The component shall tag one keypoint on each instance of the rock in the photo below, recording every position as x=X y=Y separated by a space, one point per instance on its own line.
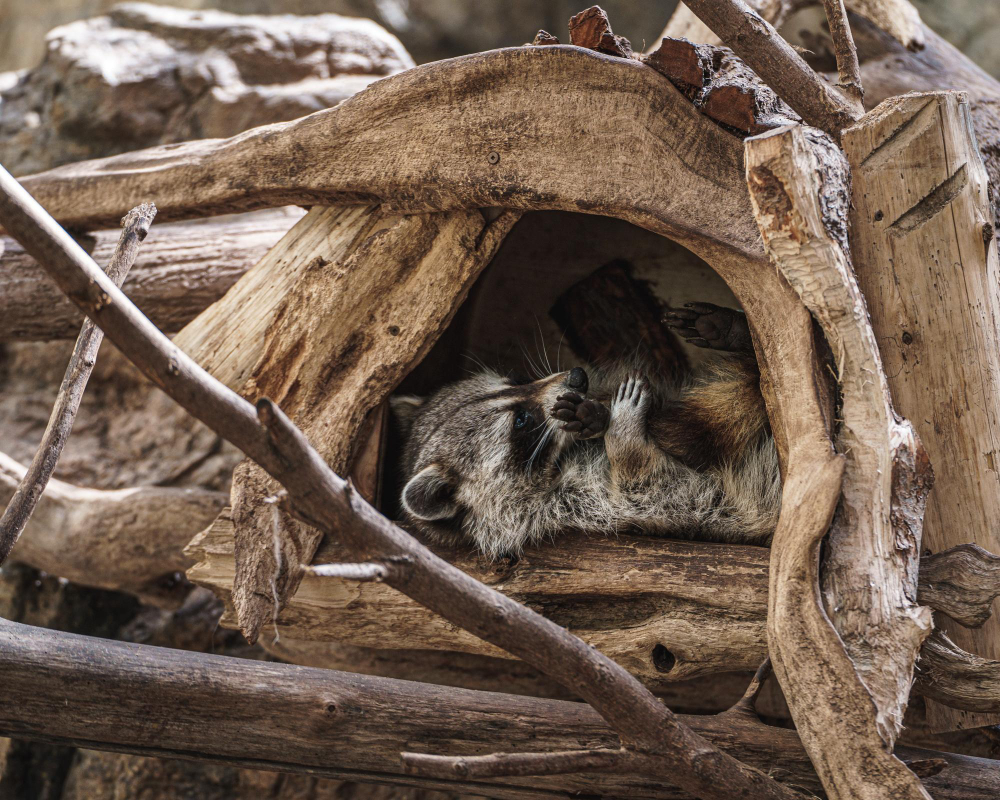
x=146 y=75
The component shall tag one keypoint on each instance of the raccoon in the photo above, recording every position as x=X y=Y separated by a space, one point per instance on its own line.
x=503 y=463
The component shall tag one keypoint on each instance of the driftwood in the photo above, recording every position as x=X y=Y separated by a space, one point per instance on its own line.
x=233 y=711
x=182 y=269
x=763 y=49
x=666 y=610
x=898 y=18
x=925 y=253
x=317 y=495
x=127 y=539
x=799 y=185
x=135 y=226
x=328 y=323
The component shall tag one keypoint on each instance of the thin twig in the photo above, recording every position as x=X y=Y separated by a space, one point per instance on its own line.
x=846 y=53
x=367 y=572
x=317 y=495
x=135 y=226
x=763 y=49
x=506 y=765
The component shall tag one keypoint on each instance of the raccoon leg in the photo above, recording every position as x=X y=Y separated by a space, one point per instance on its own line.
x=711 y=326
x=587 y=419
x=632 y=455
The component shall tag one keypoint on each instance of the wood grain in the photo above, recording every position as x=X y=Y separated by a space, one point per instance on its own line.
x=182 y=269
x=926 y=260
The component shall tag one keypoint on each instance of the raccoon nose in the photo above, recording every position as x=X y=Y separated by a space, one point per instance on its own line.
x=577 y=379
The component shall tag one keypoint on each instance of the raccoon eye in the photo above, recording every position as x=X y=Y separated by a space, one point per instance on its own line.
x=521 y=419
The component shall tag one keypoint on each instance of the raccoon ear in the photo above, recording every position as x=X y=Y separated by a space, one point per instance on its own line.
x=430 y=495
x=404 y=410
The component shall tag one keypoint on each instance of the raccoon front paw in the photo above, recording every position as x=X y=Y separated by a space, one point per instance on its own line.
x=583 y=418
x=631 y=403
x=711 y=326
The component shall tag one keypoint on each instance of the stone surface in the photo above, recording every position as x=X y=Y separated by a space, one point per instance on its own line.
x=145 y=75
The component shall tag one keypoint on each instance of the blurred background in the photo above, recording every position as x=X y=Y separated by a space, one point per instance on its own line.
x=435 y=29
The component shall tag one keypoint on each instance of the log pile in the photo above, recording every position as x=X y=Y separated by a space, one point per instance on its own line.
x=346 y=304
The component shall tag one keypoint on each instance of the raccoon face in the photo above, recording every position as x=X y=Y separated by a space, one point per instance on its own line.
x=479 y=443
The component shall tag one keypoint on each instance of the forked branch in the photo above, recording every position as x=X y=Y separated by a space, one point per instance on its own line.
x=135 y=226
x=317 y=495
x=764 y=50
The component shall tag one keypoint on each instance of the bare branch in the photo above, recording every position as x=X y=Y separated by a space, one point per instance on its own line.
x=955 y=678
x=763 y=49
x=135 y=226
x=846 y=53
x=369 y=572
x=961 y=582
x=517 y=764
x=317 y=495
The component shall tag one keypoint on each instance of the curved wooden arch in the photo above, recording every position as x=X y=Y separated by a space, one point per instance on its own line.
x=530 y=129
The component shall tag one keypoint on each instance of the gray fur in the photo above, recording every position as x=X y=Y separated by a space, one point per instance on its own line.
x=471 y=474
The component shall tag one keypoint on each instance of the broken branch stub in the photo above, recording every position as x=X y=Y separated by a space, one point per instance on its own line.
x=855 y=676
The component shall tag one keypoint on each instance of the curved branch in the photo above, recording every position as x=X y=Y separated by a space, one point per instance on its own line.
x=957 y=679
x=961 y=582
x=135 y=226
x=317 y=495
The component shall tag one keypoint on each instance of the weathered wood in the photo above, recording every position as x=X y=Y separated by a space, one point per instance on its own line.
x=182 y=269
x=961 y=582
x=846 y=54
x=763 y=49
x=328 y=323
x=591 y=29
x=721 y=86
x=135 y=226
x=130 y=540
x=665 y=610
x=922 y=237
x=799 y=184
x=155 y=701
x=898 y=18
x=957 y=679
x=320 y=497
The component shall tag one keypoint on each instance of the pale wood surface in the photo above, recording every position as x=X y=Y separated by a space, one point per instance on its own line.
x=327 y=324
x=926 y=259
x=182 y=268
x=799 y=184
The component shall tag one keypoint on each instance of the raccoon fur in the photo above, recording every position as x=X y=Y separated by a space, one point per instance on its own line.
x=605 y=450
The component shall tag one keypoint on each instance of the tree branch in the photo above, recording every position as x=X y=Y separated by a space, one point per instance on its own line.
x=957 y=679
x=763 y=49
x=363 y=573
x=135 y=226
x=961 y=582
x=846 y=54
x=319 y=496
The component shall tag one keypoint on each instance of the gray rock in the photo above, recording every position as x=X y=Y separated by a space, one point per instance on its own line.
x=146 y=75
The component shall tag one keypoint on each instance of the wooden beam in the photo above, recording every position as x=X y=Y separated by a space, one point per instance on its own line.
x=926 y=259
x=848 y=667
x=155 y=701
x=182 y=269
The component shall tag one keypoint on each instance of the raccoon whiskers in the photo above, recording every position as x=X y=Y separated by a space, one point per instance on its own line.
x=542 y=442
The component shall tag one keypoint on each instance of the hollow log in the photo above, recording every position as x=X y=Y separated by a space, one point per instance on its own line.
x=926 y=259
x=328 y=323
x=70 y=689
x=799 y=184
x=182 y=269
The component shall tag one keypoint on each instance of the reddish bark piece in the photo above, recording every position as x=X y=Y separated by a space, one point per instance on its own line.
x=591 y=29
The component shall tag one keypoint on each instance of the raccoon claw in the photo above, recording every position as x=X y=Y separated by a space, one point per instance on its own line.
x=710 y=326
x=585 y=419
